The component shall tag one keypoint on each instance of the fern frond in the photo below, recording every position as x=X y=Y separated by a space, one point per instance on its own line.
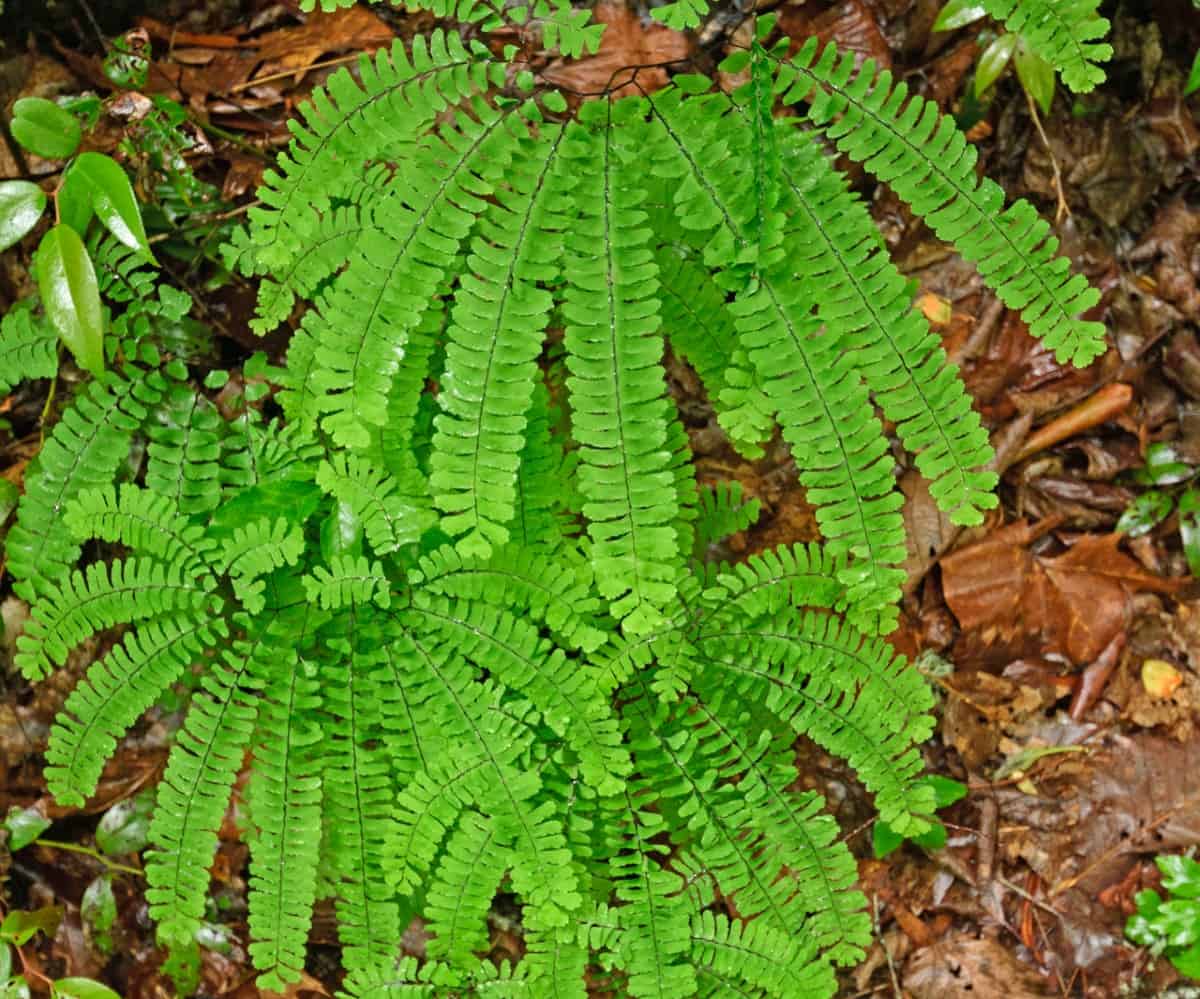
x=496 y=329
x=195 y=788
x=358 y=800
x=284 y=798
x=541 y=517
x=183 y=455
x=851 y=696
x=461 y=894
x=105 y=595
x=1063 y=32
x=255 y=550
x=694 y=317
x=924 y=158
x=145 y=522
x=362 y=326
x=567 y=696
x=552 y=591
x=722 y=513
x=768 y=581
x=822 y=405
x=28 y=348
x=83 y=450
x=112 y=695
x=400 y=93
x=619 y=412
x=349 y=580
x=865 y=304
x=655 y=934
x=781 y=964
x=389 y=518
x=125 y=277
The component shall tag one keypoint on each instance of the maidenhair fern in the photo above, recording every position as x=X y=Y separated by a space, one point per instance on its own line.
x=463 y=606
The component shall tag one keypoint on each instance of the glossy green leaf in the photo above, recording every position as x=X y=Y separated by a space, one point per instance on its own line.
x=67 y=282
x=1193 y=80
x=1188 y=962
x=24 y=825
x=20 y=926
x=884 y=839
x=1036 y=75
x=1164 y=466
x=341 y=532
x=945 y=790
x=16 y=988
x=1189 y=529
x=44 y=128
x=75 y=200
x=293 y=499
x=933 y=838
x=125 y=828
x=98 y=907
x=958 y=13
x=1145 y=513
x=113 y=199
x=991 y=64
x=5 y=961
x=21 y=205
x=83 y=988
x=1180 y=875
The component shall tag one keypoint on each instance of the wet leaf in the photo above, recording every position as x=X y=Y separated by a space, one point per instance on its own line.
x=1164 y=466
x=83 y=988
x=1189 y=528
x=1036 y=75
x=20 y=926
x=957 y=14
x=991 y=64
x=21 y=205
x=24 y=825
x=5 y=961
x=125 y=827
x=44 y=128
x=75 y=200
x=17 y=988
x=1145 y=513
x=1160 y=678
x=99 y=906
x=71 y=297
x=113 y=199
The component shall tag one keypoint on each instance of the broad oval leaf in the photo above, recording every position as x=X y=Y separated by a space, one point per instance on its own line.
x=83 y=988
x=71 y=296
x=1145 y=513
x=958 y=13
x=113 y=199
x=1193 y=80
x=42 y=127
x=21 y=205
x=991 y=64
x=1189 y=528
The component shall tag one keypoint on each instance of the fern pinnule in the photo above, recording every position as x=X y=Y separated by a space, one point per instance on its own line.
x=780 y=963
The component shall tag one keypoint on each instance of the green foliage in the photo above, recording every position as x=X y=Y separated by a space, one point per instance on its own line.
x=1171 y=927
x=462 y=605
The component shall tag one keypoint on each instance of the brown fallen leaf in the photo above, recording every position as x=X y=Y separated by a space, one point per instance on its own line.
x=961 y=966
x=1071 y=604
x=849 y=24
x=627 y=42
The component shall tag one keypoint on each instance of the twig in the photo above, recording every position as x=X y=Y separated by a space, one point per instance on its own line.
x=88 y=851
x=1063 y=209
x=237 y=88
x=886 y=952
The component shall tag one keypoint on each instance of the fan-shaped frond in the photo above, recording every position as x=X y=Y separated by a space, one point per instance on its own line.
x=255 y=550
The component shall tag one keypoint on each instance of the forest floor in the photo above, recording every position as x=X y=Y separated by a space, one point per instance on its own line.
x=1067 y=654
